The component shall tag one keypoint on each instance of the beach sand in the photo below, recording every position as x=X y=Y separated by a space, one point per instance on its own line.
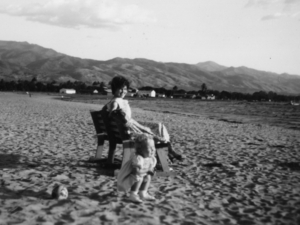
x=234 y=173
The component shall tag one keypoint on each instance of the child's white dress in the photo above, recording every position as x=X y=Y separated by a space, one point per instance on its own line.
x=126 y=177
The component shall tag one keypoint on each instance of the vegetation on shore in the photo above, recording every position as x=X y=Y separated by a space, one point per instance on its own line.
x=83 y=88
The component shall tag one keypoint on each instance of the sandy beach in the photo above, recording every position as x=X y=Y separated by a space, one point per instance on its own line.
x=234 y=173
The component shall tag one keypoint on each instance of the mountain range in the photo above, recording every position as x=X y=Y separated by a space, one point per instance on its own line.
x=21 y=60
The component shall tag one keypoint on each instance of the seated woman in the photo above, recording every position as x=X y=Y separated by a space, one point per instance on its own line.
x=119 y=86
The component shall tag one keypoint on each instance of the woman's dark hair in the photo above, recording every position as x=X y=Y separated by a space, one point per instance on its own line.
x=118 y=82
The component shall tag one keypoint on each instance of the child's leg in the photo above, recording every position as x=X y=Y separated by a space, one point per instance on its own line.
x=134 y=192
x=144 y=189
x=136 y=187
x=145 y=183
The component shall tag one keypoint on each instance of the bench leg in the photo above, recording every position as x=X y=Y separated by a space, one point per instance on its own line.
x=99 y=151
x=111 y=152
x=99 y=148
x=128 y=150
x=162 y=156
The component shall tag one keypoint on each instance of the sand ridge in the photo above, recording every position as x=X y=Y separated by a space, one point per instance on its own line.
x=233 y=174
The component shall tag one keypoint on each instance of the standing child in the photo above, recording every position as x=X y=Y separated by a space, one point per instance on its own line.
x=135 y=175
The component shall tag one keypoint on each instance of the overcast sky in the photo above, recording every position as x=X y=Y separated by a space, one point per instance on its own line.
x=260 y=34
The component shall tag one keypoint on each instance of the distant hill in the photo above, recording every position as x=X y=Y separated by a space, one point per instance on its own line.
x=21 y=60
x=210 y=66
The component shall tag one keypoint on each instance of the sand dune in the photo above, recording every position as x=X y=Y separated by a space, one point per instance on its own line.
x=234 y=173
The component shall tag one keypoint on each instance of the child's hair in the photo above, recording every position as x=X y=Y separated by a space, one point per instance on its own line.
x=118 y=82
x=141 y=142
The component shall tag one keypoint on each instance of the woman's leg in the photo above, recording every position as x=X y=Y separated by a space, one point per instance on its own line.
x=165 y=134
x=172 y=154
x=161 y=134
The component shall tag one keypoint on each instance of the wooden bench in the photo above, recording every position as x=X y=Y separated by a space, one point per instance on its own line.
x=108 y=129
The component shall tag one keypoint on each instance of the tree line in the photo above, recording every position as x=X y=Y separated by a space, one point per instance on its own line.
x=224 y=95
x=37 y=86
x=101 y=87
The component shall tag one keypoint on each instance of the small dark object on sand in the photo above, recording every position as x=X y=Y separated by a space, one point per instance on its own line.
x=60 y=192
x=213 y=165
x=295 y=166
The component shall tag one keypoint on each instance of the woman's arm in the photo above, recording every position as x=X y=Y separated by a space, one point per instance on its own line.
x=114 y=106
x=140 y=126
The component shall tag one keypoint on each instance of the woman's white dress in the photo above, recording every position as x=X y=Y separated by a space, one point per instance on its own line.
x=158 y=129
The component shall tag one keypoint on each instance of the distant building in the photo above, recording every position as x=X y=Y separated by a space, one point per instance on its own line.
x=161 y=95
x=95 y=92
x=147 y=93
x=108 y=92
x=211 y=97
x=67 y=91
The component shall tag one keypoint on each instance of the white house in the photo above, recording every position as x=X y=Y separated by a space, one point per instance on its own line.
x=152 y=94
x=67 y=91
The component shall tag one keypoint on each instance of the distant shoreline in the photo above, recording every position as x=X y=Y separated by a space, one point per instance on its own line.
x=280 y=114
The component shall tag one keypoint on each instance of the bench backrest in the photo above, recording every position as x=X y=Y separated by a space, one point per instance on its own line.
x=98 y=122
x=113 y=126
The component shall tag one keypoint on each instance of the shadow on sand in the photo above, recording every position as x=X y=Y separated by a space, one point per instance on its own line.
x=9 y=160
